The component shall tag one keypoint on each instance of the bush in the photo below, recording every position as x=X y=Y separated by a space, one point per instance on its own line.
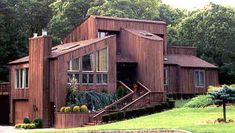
x=62 y=109
x=68 y=109
x=25 y=126
x=121 y=91
x=76 y=109
x=200 y=101
x=38 y=123
x=83 y=108
x=26 y=121
x=94 y=100
x=129 y=114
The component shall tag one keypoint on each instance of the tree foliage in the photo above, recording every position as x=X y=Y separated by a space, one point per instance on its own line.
x=211 y=30
x=222 y=97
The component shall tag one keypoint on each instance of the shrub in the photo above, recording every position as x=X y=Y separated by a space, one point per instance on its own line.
x=76 y=109
x=38 y=123
x=26 y=121
x=94 y=100
x=121 y=91
x=67 y=109
x=200 y=101
x=25 y=126
x=134 y=113
x=62 y=109
x=84 y=108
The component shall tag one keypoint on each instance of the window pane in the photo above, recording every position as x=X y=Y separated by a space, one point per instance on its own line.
x=105 y=78
x=88 y=62
x=84 y=78
x=74 y=64
x=102 y=60
x=99 y=78
x=21 y=78
x=91 y=79
x=27 y=78
x=70 y=77
x=17 y=78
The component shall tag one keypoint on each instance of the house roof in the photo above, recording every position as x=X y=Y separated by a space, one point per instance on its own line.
x=187 y=61
x=63 y=49
x=144 y=34
x=128 y=19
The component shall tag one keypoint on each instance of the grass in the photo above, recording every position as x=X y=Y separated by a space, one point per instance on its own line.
x=191 y=119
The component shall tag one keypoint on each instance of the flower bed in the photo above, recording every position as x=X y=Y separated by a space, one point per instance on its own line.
x=71 y=119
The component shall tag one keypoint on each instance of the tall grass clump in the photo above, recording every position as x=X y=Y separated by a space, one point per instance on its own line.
x=200 y=101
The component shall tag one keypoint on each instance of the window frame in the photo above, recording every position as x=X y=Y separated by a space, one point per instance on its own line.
x=102 y=78
x=165 y=76
x=199 y=78
x=22 y=82
x=92 y=65
x=97 y=59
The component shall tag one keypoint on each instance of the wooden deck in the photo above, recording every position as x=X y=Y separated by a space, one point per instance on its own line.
x=4 y=88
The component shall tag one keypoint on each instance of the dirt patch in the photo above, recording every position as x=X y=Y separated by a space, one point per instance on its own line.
x=219 y=121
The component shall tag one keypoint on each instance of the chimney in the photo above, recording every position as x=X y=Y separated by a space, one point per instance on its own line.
x=39 y=94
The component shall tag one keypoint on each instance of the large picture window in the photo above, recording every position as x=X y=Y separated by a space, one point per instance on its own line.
x=199 y=78
x=22 y=78
x=89 y=69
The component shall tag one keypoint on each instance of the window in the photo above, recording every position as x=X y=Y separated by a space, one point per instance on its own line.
x=89 y=69
x=102 y=34
x=199 y=78
x=102 y=78
x=165 y=76
x=87 y=78
x=73 y=70
x=74 y=64
x=22 y=78
x=88 y=62
x=102 y=60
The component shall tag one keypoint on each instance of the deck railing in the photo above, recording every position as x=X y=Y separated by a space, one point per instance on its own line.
x=4 y=88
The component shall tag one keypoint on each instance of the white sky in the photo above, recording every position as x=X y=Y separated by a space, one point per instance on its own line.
x=194 y=4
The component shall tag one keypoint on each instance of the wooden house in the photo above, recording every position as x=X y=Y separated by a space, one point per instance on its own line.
x=101 y=53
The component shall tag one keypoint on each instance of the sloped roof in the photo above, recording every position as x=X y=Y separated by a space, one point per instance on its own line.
x=128 y=19
x=144 y=34
x=63 y=49
x=187 y=61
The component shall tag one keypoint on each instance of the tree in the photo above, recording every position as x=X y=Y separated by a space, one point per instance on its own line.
x=222 y=97
x=139 y=9
x=211 y=30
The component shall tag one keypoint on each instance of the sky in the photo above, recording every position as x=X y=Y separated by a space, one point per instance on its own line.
x=195 y=4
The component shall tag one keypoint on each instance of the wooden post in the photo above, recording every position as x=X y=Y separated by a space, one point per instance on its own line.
x=224 y=110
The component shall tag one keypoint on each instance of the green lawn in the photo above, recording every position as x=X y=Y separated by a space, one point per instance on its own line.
x=190 y=119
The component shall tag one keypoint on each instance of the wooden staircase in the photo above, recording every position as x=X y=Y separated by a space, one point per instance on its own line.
x=129 y=101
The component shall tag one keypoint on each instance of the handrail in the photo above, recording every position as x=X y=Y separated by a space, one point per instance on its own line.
x=148 y=92
x=144 y=86
x=118 y=101
x=134 y=101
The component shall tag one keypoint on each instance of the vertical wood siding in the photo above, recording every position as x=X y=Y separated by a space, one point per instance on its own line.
x=149 y=55
x=182 y=50
x=60 y=69
x=39 y=52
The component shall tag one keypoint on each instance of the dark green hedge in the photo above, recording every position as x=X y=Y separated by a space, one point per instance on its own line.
x=129 y=114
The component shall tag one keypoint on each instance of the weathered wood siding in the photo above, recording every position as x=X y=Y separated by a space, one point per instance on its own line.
x=181 y=80
x=182 y=50
x=16 y=94
x=172 y=74
x=90 y=27
x=85 y=31
x=39 y=53
x=149 y=55
x=69 y=120
x=60 y=69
